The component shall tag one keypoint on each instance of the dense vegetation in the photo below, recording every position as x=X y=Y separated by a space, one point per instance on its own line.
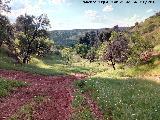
x=27 y=36
x=132 y=46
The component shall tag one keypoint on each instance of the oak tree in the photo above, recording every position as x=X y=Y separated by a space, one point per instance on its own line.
x=30 y=31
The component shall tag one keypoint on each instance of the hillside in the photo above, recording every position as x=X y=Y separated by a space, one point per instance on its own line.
x=70 y=37
x=67 y=37
x=150 y=28
x=149 y=25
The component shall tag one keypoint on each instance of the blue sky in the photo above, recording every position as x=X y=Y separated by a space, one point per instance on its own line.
x=74 y=14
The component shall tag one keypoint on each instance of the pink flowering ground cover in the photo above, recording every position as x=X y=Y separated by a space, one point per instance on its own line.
x=57 y=90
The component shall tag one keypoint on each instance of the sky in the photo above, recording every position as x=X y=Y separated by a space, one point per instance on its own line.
x=75 y=14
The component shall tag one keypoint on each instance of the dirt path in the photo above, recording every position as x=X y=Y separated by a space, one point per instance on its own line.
x=57 y=89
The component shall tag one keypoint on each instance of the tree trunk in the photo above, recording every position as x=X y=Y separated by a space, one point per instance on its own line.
x=25 y=60
x=1 y=43
x=113 y=64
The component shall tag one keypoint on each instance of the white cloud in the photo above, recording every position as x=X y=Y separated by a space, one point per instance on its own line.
x=149 y=11
x=91 y=13
x=130 y=21
x=69 y=4
x=111 y=21
x=58 y=1
x=108 y=8
x=134 y=18
x=75 y=25
x=25 y=6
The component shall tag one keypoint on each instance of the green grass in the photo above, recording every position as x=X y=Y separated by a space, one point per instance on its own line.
x=26 y=112
x=39 y=99
x=124 y=99
x=55 y=65
x=134 y=71
x=51 y=65
x=8 y=85
x=81 y=109
x=157 y=48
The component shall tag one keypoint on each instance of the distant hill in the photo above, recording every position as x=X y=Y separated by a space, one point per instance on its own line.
x=70 y=37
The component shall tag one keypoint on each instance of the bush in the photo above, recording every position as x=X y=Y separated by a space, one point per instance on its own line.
x=137 y=46
x=57 y=52
x=82 y=50
x=67 y=54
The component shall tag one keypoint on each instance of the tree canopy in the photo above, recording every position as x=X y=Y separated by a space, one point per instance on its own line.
x=31 y=32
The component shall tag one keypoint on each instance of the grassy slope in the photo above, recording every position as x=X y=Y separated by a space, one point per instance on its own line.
x=150 y=25
x=124 y=99
x=7 y=85
x=52 y=65
x=80 y=108
x=150 y=29
x=128 y=99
